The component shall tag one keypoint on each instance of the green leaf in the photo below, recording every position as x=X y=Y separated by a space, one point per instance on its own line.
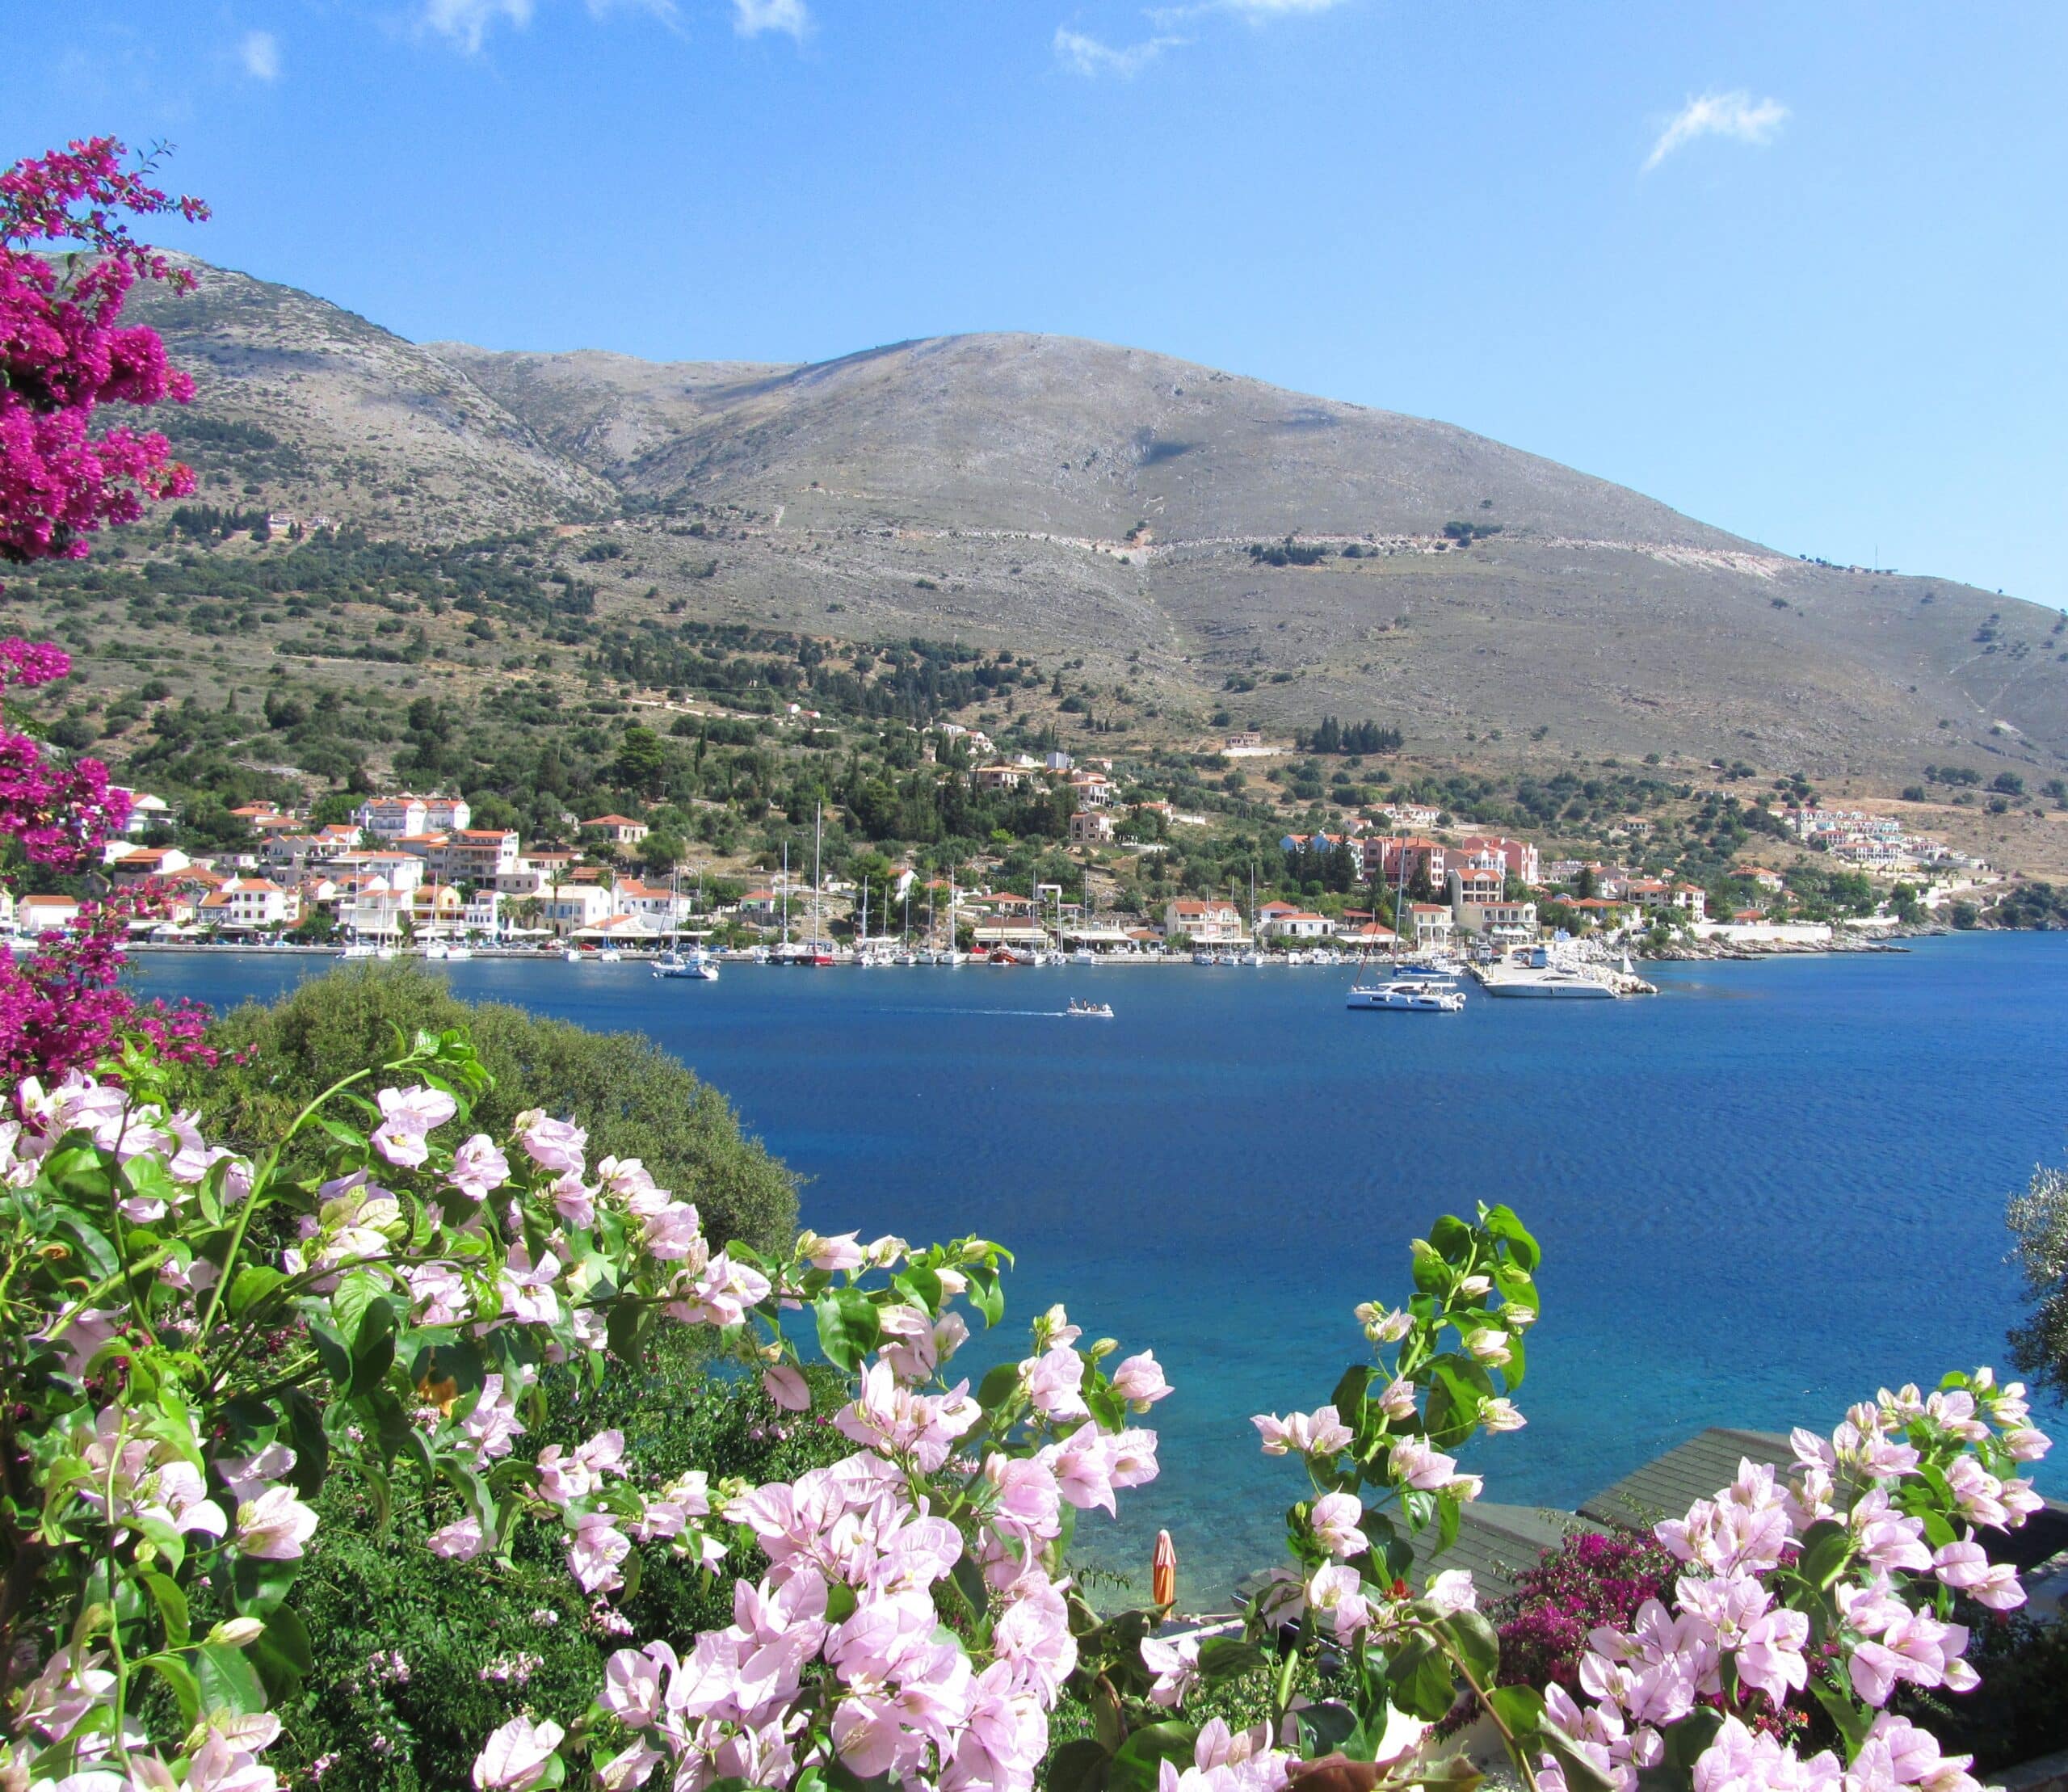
x=847 y=1327
x=227 y=1681
x=1826 y=1547
x=1227 y=1658
x=1432 y=1275
x=1348 y=1399
x=373 y=1350
x=1686 y=1740
x=251 y=1285
x=343 y=1134
x=1472 y=1640
x=968 y=1575
x=180 y=1680
x=1520 y=1708
x=171 y=1603
x=281 y=1653
x=1429 y=1689
x=624 y=1329
x=1448 y=1509
x=312 y=1445
x=1078 y=1766
x=1852 y=1722
x=1000 y=1382
x=1501 y=1222
x=331 y=1352
x=921 y=1287
x=259 y=1585
x=1452 y=1239
x=1324 y=1728
x=1134 y=1766
x=986 y=1294
x=1582 y=1775
x=1106 y=1406
x=1666 y=1779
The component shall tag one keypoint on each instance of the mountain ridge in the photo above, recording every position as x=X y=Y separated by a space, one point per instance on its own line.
x=1053 y=495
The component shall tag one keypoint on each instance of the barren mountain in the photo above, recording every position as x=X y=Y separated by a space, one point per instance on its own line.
x=1065 y=497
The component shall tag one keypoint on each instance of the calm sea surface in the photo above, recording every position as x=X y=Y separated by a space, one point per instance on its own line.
x=1763 y=1194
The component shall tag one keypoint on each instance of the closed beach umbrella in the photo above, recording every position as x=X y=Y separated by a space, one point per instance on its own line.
x=1163 y=1572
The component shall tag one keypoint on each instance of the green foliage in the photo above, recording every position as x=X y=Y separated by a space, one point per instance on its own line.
x=2020 y=1710
x=416 y=1659
x=633 y=1099
x=2038 y=1220
x=2041 y=905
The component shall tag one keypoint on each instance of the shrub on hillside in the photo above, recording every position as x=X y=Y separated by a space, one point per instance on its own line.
x=629 y=1095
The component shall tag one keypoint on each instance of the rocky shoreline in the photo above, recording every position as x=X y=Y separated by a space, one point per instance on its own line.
x=1890 y=940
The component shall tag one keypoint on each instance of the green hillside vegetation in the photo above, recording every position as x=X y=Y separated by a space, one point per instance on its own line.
x=217 y=671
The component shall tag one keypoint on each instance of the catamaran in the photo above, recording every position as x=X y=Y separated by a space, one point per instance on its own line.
x=1419 y=989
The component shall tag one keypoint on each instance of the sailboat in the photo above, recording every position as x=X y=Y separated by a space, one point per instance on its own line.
x=820 y=953
x=1253 y=956
x=697 y=964
x=954 y=955
x=1414 y=990
x=905 y=955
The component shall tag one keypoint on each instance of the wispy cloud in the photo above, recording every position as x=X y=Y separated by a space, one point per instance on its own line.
x=260 y=54
x=1087 y=57
x=467 y=22
x=665 y=10
x=1733 y=114
x=1257 y=12
x=1275 y=9
x=751 y=17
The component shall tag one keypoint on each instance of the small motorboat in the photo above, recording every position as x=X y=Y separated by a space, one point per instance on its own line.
x=1080 y=1010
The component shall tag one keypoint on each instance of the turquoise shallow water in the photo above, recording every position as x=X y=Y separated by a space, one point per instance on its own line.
x=1762 y=1195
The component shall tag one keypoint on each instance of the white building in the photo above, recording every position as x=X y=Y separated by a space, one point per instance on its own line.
x=250 y=905
x=1297 y=924
x=389 y=817
x=1204 y=923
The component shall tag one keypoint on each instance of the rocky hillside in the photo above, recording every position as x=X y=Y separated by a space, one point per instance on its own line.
x=1067 y=498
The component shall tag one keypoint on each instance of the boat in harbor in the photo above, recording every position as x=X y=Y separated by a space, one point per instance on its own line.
x=1553 y=971
x=1436 y=968
x=1415 y=996
x=1553 y=982
x=694 y=965
x=1417 y=986
x=1081 y=1010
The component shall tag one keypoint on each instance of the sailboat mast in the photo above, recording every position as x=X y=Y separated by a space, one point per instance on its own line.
x=1399 y=904
x=786 y=893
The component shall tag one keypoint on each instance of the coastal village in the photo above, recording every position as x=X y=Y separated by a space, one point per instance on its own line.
x=411 y=871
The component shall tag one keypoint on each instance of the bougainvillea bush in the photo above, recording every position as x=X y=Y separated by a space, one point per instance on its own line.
x=1592 y=1579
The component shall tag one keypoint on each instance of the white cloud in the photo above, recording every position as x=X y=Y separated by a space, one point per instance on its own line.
x=260 y=54
x=1086 y=55
x=467 y=22
x=1732 y=115
x=1257 y=12
x=751 y=17
x=665 y=11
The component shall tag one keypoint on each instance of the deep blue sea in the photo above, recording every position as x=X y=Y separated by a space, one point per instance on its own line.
x=1765 y=1193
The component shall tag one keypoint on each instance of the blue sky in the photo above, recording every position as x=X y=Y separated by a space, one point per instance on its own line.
x=1797 y=270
